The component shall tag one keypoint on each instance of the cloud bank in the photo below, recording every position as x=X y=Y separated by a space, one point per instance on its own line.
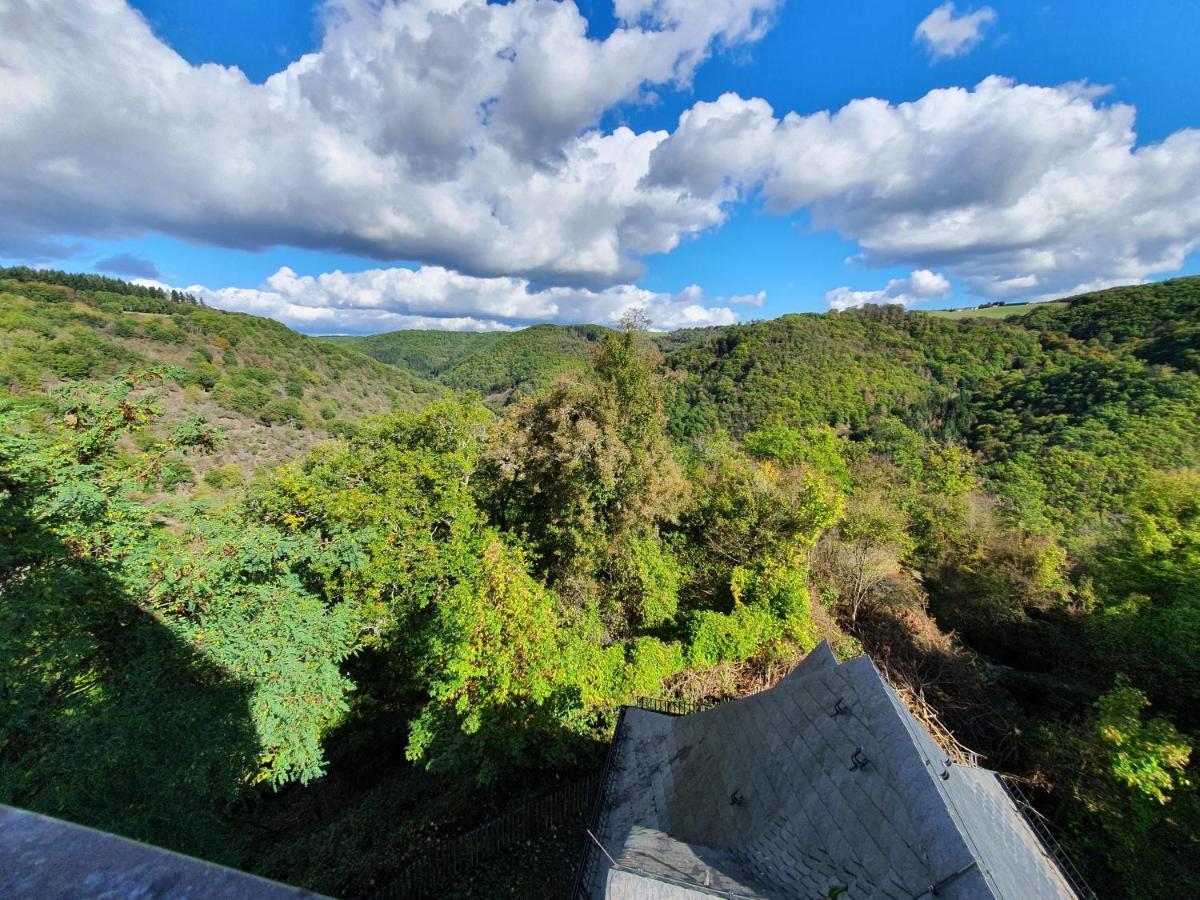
x=465 y=136
x=435 y=297
x=454 y=132
x=1020 y=190
x=920 y=285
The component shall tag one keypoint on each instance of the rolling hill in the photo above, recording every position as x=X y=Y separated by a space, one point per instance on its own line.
x=274 y=391
x=1000 y=511
x=500 y=365
x=497 y=365
x=1070 y=405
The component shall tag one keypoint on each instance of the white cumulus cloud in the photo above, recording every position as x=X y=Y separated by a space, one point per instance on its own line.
x=455 y=132
x=748 y=299
x=465 y=136
x=922 y=284
x=1020 y=190
x=434 y=297
x=945 y=32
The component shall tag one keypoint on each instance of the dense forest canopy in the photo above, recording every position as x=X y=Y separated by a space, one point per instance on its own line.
x=434 y=605
x=87 y=282
x=497 y=365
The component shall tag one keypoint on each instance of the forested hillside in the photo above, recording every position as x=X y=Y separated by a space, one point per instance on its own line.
x=501 y=366
x=272 y=391
x=1069 y=408
x=417 y=625
x=496 y=365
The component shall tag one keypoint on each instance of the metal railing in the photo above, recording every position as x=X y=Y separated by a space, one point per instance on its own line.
x=1052 y=847
x=587 y=860
x=428 y=872
x=671 y=706
x=580 y=803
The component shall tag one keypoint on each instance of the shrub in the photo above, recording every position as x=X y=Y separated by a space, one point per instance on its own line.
x=222 y=477
x=250 y=401
x=647 y=580
x=727 y=637
x=76 y=358
x=174 y=471
x=278 y=412
x=205 y=375
x=159 y=331
x=258 y=374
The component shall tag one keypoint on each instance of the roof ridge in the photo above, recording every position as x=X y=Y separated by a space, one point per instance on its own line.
x=916 y=791
x=921 y=742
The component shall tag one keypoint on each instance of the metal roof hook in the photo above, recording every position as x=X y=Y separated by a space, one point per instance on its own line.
x=838 y=708
x=859 y=759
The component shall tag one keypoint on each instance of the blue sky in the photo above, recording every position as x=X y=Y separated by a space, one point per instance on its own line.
x=807 y=57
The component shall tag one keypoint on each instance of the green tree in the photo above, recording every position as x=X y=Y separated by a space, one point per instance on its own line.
x=498 y=690
x=1144 y=584
x=461 y=640
x=100 y=610
x=586 y=475
x=1146 y=757
x=1129 y=775
x=865 y=553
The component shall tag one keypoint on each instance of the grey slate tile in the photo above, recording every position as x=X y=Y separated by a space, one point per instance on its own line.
x=44 y=857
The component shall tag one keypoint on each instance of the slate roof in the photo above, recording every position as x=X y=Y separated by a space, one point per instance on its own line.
x=766 y=797
x=47 y=858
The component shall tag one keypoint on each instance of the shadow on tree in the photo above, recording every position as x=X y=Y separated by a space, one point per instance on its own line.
x=375 y=814
x=108 y=719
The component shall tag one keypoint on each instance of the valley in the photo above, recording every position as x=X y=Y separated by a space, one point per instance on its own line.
x=306 y=606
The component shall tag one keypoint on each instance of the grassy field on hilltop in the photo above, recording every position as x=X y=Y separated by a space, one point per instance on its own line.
x=991 y=312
